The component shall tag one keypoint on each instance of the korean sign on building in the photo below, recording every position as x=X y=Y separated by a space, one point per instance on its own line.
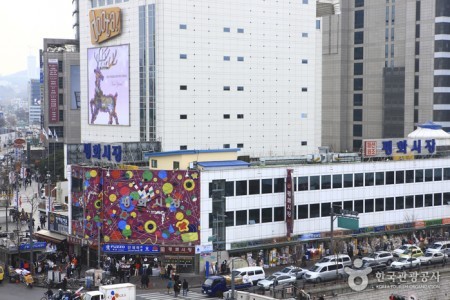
x=130 y=248
x=289 y=203
x=58 y=223
x=53 y=85
x=398 y=147
x=103 y=152
x=105 y=23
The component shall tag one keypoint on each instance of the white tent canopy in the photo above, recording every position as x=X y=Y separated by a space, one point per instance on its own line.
x=430 y=130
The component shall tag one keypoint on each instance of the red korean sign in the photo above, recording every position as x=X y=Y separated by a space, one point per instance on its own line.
x=289 y=203
x=53 y=109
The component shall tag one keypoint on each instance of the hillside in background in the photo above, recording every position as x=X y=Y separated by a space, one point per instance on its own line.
x=13 y=86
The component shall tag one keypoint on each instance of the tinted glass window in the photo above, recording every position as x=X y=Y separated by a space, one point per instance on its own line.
x=438 y=174
x=303 y=183
x=337 y=181
x=267 y=186
x=419 y=200
x=357 y=99
x=399 y=177
x=379 y=178
x=229 y=220
x=409 y=176
x=437 y=199
x=359 y=37
x=278 y=213
x=409 y=202
x=399 y=203
x=229 y=189
x=278 y=185
x=348 y=180
x=419 y=175
x=359 y=19
x=253 y=187
x=348 y=205
x=390 y=203
x=359 y=206
x=266 y=215
x=241 y=217
x=314 y=182
x=326 y=182
x=302 y=211
x=326 y=209
x=357 y=84
x=253 y=216
x=368 y=205
x=314 y=210
x=446 y=173
x=368 y=179
x=428 y=200
x=241 y=187
x=390 y=177
x=359 y=179
x=379 y=204
x=358 y=53
x=428 y=175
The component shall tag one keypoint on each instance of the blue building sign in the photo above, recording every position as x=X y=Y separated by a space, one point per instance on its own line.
x=103 y=152
x=130 y=248
x=398 y=147
x=37 y=245
x=309 y=236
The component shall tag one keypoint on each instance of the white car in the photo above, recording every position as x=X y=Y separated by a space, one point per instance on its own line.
x=267 y=283
x=431 y=258
x=292 y=270
x=405 y=263
x=403 y=249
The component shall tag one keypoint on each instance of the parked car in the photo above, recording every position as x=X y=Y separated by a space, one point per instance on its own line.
x=325 y=271
x=431 y=258
x=405 y=263
x=292 y=270
x=412 y=252
x=443 y=247
x=402 y=249
x=268 y=282
x=375 y=266
x=380 y=257
x=340 y=258
x=254 y=273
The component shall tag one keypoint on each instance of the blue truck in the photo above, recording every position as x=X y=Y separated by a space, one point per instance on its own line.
x=217 y=285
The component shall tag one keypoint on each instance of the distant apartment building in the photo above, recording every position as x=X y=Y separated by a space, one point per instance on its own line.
x=34 y=102
x=386 y=68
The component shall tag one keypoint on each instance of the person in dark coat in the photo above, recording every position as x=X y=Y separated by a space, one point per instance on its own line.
x=177 y=287
x=185 y=287
x=64 y=284
x=144 y=280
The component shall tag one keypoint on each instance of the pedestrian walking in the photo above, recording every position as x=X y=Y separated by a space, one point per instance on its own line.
x=177 y=287
x=185 y=287
x=144 y=280
x=169 y=285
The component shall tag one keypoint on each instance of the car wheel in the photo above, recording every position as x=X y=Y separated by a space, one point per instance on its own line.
x=318 y=280
x=429 y=262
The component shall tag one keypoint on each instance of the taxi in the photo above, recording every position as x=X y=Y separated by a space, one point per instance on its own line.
x=2 y=274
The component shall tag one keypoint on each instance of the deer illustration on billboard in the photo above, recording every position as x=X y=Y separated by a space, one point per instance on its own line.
x=102 y=102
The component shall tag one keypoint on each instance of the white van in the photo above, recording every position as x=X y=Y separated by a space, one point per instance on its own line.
x=443 y=247
x=325 y=271
x=255 y=274
x=339 y=258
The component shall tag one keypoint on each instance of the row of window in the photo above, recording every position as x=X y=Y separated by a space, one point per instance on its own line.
x=228 y=88
x=317 y=210
x=225 y=116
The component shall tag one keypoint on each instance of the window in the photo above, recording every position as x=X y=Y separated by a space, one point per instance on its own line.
x=348 y=180
x=428 y=175
x=176 y=165
x=446 y=173
x=357 y=84
x=368 y=179
x=266 y=215
x=241 y=187
x=358 y=53
x=226 y=58
x=302 y=183
x=417 y=48
x=302 y=211
x=240 y=58
x=183 y=56
x=379 y=204
x=183 y=117
x=379 y=178
x=305 y=1
x=317 y=24
x=183 y=147
x=357 y=99
x=240 y=88
x=428 y=200
x=226 y=29
x=359 y=179
x=359 y=3
x=359 y=37
x=278 y=214
x=241 y=217
x=304 y=34
x=240 y=116
x=304 y=143
x=60 y=82
x=357 y=115
x=183 y=26
x=61 y=116
x=60 y=66
x=229 y=220
x=278 y=184
x=348 y=205
x=337 y=181
x=226 y=146
x=399 y=203
x=409 y=202
x=399 y=177
x=419 y=176
x=267 y=186
x=183 y=87
x=226 y=88
x=253 y=216
x=446 y=198
x=240 y=145
x=304 y=61
x=359 y=19
x=226 y=116
x=253 y=187
x=326 y=182
x=438 y=174
x=368 y=205
x=61 y=99
x=390 y=203
x=437 y=199
x=390 y=177
x=359 y=206
x=154 y=163
x=304 y=89
x=240 y=30
x=419 y=200
x=229 y=189
x=326 y=209
x=357 y=69
x=314 y=183
x=409 y=176
x=314 y=210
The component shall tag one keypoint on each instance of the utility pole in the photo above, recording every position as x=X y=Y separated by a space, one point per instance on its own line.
x=31 y=228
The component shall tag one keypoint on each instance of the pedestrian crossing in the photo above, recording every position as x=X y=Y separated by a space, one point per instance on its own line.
x=165 y=296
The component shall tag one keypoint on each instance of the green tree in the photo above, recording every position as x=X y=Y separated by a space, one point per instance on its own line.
x=53 y=163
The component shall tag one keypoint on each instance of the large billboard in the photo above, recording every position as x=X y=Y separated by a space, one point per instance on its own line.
x=108 y=85
x=53 y=85
x=75 y=87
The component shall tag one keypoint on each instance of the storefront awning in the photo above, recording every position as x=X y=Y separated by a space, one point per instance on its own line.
x=49 y=236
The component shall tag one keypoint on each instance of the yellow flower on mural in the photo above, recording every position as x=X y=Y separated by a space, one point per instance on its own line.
x=189 y=185
x=183 y=225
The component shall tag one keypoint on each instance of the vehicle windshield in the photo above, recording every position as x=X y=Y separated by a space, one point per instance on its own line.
x=324 y=260
x=428 y=254
x=285 y=270
x=236 y=273
x=404 y=247
x=270 y=278
x=407 y=252
x=315 y=268
x=373 y=255
x=208 y=281
x=435 y=246
x=402 y=260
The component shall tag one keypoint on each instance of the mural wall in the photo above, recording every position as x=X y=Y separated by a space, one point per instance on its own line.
x=141 y=206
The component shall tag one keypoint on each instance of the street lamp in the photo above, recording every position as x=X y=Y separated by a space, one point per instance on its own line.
x=49 y=181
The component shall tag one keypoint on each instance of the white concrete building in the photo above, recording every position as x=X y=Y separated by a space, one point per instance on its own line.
x=204 y=75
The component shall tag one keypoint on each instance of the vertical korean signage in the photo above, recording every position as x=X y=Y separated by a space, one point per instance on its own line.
x=289 y=203
x=53 y=110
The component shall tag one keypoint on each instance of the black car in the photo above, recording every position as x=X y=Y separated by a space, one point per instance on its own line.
x=376 y=266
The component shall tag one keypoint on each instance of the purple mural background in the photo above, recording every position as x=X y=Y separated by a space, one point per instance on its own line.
x=141 y=206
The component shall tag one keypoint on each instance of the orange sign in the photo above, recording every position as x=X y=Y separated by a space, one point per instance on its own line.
x=105 y=23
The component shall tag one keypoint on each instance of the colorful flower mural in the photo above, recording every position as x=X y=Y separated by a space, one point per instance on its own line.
x=142 y=206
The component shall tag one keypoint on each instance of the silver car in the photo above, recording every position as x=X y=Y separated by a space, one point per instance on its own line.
x=268 y=282
x=292 y=270
x=324 y=272
x=431 y=258
x=380 y=257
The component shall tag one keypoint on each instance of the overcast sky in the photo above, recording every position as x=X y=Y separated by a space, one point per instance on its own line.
x=23 y=26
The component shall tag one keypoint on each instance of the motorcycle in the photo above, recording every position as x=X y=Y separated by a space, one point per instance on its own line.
x=24 y=276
